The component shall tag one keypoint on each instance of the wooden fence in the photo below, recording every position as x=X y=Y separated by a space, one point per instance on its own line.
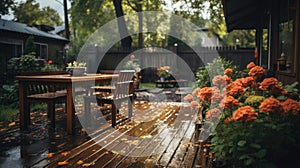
x=182 y=61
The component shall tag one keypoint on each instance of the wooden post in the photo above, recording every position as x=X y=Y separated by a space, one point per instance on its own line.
x=70 y=110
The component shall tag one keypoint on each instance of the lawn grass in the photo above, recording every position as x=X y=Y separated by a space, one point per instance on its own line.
x=147 y=85
x=7 y=113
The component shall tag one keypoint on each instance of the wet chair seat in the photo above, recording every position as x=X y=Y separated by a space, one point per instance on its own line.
x=123 y=91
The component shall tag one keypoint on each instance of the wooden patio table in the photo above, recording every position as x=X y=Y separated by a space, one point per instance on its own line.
x=67 y=81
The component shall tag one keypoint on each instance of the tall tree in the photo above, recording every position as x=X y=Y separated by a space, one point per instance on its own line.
x=29 y=12
x=127 y=41
x=5 y=5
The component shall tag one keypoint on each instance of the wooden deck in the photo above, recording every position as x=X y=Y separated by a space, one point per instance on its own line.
x=159 y=135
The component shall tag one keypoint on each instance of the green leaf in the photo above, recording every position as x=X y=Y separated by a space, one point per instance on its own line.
x=244 y=157
x=282 y=98
x=242 y=143
x=262 y=153
x=248 y=162
x=256 y=146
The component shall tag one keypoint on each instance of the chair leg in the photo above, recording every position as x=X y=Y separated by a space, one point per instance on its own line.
x=51 y=112
x=87 y=105
x=130 y=104
x=27 y=114
x=114 y=115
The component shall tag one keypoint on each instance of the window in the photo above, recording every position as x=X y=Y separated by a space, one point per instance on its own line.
x=285 y=61
x=41 y=50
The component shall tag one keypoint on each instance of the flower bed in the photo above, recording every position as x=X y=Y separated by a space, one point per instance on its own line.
x=252 y=121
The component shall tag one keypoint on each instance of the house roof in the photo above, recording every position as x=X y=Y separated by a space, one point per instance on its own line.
x=247 y=14
x=58 y=29
x=243 y=14
x=25 y=29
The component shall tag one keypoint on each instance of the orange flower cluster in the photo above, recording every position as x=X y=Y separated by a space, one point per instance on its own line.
x=188 y=97
x=276 y=90
x=195 y=104
x=229 y=102
x=206 y=93
x=245 y=114
x=216 y=98
x=228 y=79
x=271 y=105
x=267 y=82
x=228 y=120
x=250 y=65
x=212 y=114
x=235 y=88
x=228 y=72
x=291 y=106
x=196 y=92
x=257 y=71
x=246 y=82
x=219 y=81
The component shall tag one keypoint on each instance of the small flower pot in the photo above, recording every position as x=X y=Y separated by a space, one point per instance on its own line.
x=76 y=71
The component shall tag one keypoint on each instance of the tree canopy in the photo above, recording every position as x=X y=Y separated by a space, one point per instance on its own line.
x=5 y=5
x=29 y=12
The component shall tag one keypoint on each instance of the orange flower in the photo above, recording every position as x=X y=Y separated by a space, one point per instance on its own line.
x=257 y=71
x=212 y=114
x=206 y=93
x=267 y=82
x=270 y=105
x=245 y=114
x=228 y=120
x=229 y=102
x=228 y=71
x=291 y=106
x=216 y=98
x=250 y=65
x=276 y=90
x=228 y=79
x=196 y=92
x=235 y=88
x=246 y=82
x=219 y=81
x=195 y=104
x=188 y=97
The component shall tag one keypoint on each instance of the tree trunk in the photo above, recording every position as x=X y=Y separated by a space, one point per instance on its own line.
x=67 y=31
x=140 y=16
x=125 y=42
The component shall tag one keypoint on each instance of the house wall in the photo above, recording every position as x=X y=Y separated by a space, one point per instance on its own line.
x=283 y=76
x=12 y=45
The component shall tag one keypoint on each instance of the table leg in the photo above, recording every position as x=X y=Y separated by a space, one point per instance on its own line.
x=24 y=108
x=70 y=110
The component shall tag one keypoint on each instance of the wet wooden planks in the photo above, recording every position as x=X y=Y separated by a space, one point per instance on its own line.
x=167 y=140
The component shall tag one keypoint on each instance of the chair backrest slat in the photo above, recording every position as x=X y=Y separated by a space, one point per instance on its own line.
x=123 y=85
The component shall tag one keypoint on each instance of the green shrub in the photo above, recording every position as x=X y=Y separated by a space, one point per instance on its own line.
x=26 y=63
x=8 y=113
x=216 y=67
x=9 y=94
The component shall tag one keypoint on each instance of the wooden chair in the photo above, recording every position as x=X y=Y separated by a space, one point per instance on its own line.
x=47 y=94
x=122 y=91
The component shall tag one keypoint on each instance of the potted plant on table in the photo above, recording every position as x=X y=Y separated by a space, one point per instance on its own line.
x=76 y=68
x=163 y=72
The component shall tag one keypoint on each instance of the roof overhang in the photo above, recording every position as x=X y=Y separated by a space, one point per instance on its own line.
x=245 y=14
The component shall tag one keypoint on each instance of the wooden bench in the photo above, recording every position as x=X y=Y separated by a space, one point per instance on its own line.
x=173 y=83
